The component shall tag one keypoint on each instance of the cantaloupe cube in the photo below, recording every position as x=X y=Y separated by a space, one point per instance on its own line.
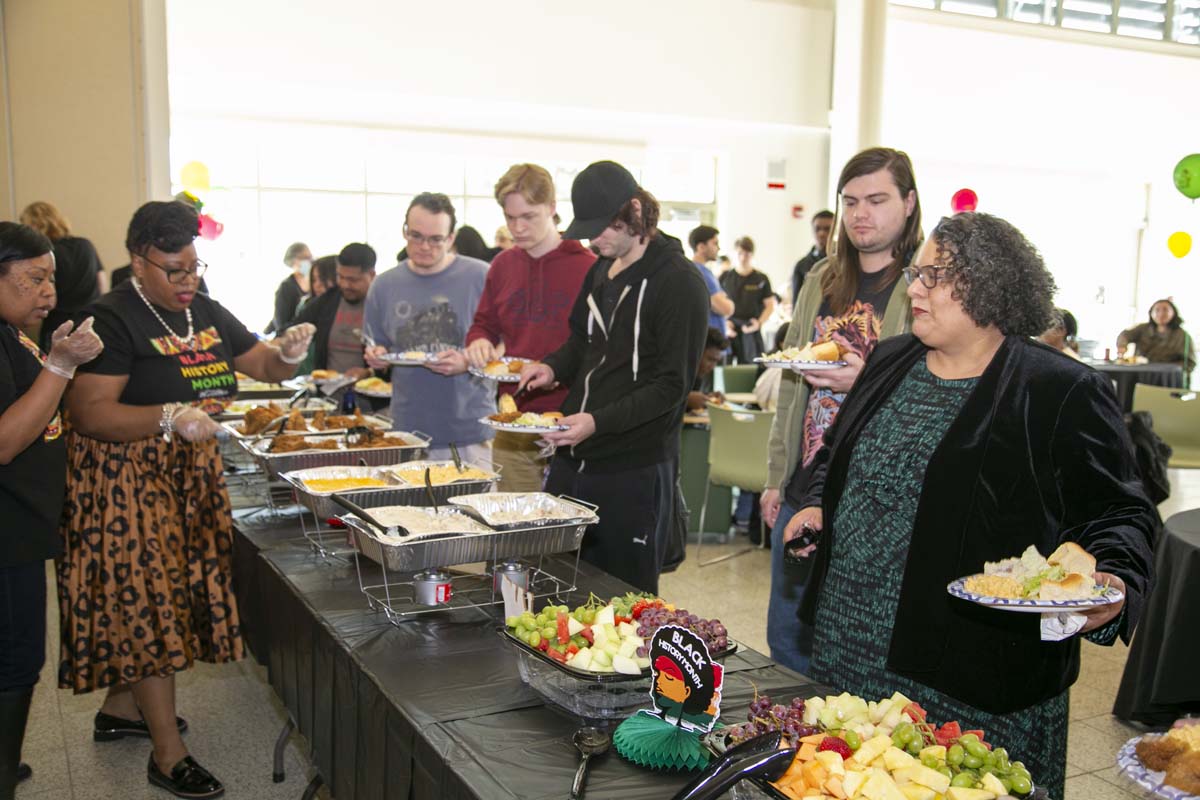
x=815 y=738
x=834 y=787
x=807 y=752
x=814 y=773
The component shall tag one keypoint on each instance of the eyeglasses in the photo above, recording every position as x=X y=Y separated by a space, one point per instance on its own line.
x=178 y=276
x=929 y=274
x=416 y=238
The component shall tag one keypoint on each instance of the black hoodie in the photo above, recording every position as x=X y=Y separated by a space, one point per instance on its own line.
x=632 y=372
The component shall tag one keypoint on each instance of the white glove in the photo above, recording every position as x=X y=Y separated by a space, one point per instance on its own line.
x=293 y=344
x=69 y=348
x=194 y=425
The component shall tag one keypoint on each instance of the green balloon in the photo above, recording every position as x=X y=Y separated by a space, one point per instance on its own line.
x=1187 y=176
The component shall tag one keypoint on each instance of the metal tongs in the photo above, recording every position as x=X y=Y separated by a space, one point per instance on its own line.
x=458 y=462
x=755 y=757
x=358 y=511
x=429 y=492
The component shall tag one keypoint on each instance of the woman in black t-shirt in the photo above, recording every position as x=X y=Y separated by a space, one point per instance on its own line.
x=32 y=472
x=144 y=585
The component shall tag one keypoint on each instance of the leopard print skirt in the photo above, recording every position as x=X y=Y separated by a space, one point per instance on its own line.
x=145 y=583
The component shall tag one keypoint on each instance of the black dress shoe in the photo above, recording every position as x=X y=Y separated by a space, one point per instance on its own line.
x=187 y=779
x=24 y=772
x=109 y=728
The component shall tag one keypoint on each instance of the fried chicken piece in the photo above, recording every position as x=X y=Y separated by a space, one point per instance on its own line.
x=318 y=421
x=1184 y=772
x=343 y=421
x=508 y=416
x=1157 y=752
x=258 y=418
x=295 y=421
x=290 y=444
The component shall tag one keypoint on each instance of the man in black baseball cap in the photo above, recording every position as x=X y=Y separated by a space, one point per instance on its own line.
x=638 y=329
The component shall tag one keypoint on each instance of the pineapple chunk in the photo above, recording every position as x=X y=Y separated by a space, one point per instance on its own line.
x=936 y=750
x=924 y=776
x=872 y=748
x=992 y=784
x=852 y=782
x=960 y=793
x=881 y=787
x=915 y=791
x=894 y=758
x=832 y=761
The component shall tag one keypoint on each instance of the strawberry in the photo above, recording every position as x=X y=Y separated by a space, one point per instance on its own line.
x=837 y=745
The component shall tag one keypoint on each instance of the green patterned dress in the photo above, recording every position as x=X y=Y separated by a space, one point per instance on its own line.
x=857 y=607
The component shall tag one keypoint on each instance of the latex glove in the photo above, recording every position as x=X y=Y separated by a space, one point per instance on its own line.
x=69 y=349
x=770 y=502
x=811 y=517
x=295 y=340
x=536 y=376
x=194 y=425
x=480 y=352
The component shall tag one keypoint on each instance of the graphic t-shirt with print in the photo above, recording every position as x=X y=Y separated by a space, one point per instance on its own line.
x=345 y=337
x=857 y=329
x=161 y=368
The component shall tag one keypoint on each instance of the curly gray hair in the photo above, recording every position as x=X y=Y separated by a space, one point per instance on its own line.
x=999 y=276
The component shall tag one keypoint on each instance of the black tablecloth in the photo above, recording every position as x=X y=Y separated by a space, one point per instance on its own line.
x=433 y=707
x=1160 y=680
x=1126 y=376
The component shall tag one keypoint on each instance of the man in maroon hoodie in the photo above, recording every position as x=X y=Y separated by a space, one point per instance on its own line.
x=523 y=313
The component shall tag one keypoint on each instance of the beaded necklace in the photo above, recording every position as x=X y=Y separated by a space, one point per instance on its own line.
x=185 y=343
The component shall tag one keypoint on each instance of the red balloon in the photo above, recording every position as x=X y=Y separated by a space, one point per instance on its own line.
x=209 y=228
x=964 y=200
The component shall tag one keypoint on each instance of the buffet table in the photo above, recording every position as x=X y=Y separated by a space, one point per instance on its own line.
x=1159 y=683
x=433 y=707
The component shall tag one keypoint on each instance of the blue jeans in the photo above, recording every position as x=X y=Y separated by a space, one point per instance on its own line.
x=790 y=640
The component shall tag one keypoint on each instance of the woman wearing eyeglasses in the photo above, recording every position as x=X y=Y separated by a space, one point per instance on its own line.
x=964 y=442
x=144 y=584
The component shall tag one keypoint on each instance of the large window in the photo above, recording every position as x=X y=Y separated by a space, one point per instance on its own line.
x=275 y=183
x=1163 y=20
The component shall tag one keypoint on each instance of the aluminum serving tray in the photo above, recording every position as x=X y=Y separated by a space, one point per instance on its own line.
x=413 y=445
x=396 y=493
x=308 y=407
x=372 y=420
x=539 y=509
x=465 y=549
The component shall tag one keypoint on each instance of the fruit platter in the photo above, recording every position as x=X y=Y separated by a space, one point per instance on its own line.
x=594 y=660
x=849 y=748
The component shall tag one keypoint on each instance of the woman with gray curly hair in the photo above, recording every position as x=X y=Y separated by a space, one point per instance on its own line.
x=965 y=442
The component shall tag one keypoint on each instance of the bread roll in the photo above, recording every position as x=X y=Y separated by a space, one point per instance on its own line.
x=825 y=351
x=1073 y=558
x=1073 y=587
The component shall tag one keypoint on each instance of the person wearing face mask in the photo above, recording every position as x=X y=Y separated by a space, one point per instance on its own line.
x=145 y=585
x=293 y=288
x=33 y=469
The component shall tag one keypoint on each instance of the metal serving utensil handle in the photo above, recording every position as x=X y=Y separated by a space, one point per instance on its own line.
x=458 y=462
x=580 y=775
x=357 y=510
x=429 y=491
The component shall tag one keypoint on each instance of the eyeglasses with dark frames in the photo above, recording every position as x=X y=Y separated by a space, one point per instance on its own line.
x=929 y=275
x=177 y=275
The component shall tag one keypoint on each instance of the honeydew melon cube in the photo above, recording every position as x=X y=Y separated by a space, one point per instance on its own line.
x=626 y=629
x=643 y=662
x=574 y=626
x=629 y=647
x=625 y=665
x=600 y=658
x=605 y=616
x=582 y=659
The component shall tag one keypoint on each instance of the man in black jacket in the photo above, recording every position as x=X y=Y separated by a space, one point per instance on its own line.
x=338 y=314
x=638 y=330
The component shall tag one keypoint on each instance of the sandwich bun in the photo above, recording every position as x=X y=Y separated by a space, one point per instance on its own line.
x=1073 y=587
x=1073 y=558
x=553 y=415
x=825 y=351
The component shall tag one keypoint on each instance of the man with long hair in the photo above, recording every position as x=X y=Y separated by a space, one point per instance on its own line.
x=855 y=298
x=638 y=329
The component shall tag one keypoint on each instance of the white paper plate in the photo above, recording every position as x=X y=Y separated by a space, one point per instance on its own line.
x=408 y=359
x=369 y=393
x=511 y=428
x=808 y=365
x=1132 y=768
x=1109 y=596
x=511 y=377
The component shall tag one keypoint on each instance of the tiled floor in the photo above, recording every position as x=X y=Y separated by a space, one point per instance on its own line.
x=235 y=717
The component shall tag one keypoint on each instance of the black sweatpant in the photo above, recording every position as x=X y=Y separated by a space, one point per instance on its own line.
x=635 y=507
x=22 y=624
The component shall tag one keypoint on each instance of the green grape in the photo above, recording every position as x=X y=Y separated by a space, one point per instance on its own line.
x=914 y=747
x=906 y=730
x=1000 y=753
x=853 y=741
x=1018 y=765
x=968 y=737
x=963 y=780
x=976 y=749
x=972 y=761
x=954 y=756
x=1022 y=784
x=590 y=617
x=1007 y=781
x=929 y=761
x=945 y=770
x=1002 y=764
x=549 y=632
x=512 y=621
x=534 y=639
x=897 y=741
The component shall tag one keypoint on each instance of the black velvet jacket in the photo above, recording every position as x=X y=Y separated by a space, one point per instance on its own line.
x=1038 y=455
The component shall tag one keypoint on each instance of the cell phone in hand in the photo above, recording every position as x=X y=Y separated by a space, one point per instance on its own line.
x=808 y=536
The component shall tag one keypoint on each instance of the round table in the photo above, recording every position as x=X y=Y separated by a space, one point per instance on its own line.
x=1126 y=376
x=1159 y=683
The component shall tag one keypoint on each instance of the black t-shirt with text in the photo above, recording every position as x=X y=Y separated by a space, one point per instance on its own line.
x=749 y=293
x=160 y=370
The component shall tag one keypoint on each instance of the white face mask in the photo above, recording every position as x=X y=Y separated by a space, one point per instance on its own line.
x=305 y=267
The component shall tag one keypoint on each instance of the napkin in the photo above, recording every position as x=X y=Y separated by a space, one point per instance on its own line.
x=1061 y=625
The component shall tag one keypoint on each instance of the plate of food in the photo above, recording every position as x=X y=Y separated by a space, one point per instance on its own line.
x=826 y=355
x=1166 y=765
x=373 y=387
x=1033 y=584
x=322 y=376
x=526 y=422
x=504 y=370
x=409 y=358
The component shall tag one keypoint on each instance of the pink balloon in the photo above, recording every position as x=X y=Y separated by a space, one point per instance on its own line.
x=964 y=200
x=209 y=228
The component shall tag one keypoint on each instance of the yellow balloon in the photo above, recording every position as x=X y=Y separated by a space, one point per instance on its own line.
x=195 y=177
x=1179 y=243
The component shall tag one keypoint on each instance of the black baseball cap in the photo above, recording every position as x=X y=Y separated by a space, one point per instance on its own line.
x=597 y=194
